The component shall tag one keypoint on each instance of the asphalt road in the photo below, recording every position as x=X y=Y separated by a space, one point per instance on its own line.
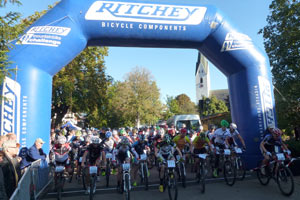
x=216 y=189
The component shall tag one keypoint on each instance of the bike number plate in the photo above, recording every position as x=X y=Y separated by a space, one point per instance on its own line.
x=108 y=155
x=171 y=163
x=227 y=152
x=80 y=159
x=276 y=149
x=59 y=168
x=203 y=156
x=126 y=166
x=217 y=150
x=238 y=150
x=143 y=156
x=177 y=157
x=280 y=156
x=93 y=169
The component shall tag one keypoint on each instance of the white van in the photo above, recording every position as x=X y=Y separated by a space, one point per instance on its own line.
x=190 y=121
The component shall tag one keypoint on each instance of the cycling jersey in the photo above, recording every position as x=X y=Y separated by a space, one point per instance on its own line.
x=181 y=142
x=108 y=144
x=140 y=147
x=270 y=142
x=221 y=135
x=94 y=152
x=200 y=142
x=165 y=151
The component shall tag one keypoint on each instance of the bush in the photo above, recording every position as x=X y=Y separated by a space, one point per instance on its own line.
x=294 y=147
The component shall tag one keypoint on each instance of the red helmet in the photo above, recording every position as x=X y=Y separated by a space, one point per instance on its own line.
x=277 y=132
x=183 y=130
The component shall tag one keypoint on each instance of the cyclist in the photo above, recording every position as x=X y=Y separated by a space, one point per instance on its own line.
x=181 y=141
x=269 y=144
x=233 y=135
x=211 y=133
x=199 y=148
x=166 y=149
x=108 y=144
x=122 y=153
x=91 y=157
x=221 y=135
x=140 y=146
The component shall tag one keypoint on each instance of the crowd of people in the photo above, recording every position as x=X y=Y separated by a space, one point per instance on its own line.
x=90 y=147
x=14 y=161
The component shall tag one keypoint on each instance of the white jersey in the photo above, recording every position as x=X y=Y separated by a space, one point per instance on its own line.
x=220 y=135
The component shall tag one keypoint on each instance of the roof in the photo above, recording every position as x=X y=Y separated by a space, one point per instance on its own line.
x=220 y=94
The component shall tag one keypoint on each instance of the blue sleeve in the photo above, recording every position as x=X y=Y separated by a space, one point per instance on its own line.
x=34 y=154
x=135 y=144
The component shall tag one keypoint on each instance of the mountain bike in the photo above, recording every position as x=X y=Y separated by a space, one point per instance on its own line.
x=181 y=169
x=108 y=167
x=126 y=186
x=278 y=170
x=170 y=179
x=143 y=168
x=202 y=171
x=59 y=180
x=239 y=164
x=93 y=178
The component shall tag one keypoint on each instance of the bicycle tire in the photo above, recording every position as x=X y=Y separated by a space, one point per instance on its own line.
x=83 y=179
x=183 y=176
x=92 y=186
x=59 y=186
x=202 y=178
x=229 y=173
x=241 y=170
x=172 y=187
x=127 y=186
x=72 y=173
x=145 y=176
x=264 y=179
x=107 y=174
x=283 y=175
x=151 y=161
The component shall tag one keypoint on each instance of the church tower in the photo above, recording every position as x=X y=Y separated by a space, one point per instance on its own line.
x=202 y=78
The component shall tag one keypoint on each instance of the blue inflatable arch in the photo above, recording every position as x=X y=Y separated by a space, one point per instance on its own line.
x=61 y=34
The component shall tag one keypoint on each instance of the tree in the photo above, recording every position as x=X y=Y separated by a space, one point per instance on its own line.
x=136 y=100
x=186 y=106
x=213 y=106
x=82 y=86
x=8 y=31
x=282 y=44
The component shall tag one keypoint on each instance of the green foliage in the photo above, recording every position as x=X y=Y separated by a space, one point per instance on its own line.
x=213 y=106
x=82 y=86
x=186 y=106
x=136 y=100
x=294 y=147
x=8 y=32
x=282 y=43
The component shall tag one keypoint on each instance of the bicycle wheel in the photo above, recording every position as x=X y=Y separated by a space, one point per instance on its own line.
x=92 y=186
x=285 y=180
x=262 y=175
x=83 y=179
x=151 y=161
x=72 y=172
x=172 y=187
x=202 y=178
x=229 y=173
x=107 y=174
x=145 y=176
x=183 y=174
x=127 y=187
x=59 y=186
x=241 y=170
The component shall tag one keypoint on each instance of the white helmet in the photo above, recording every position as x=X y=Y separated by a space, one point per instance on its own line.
x=200 y=128
x=95 y=140
x=233 y=126
x=61 y=139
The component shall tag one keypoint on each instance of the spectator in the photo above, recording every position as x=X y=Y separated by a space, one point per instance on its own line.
x=34 y=153
x=3 y=138
x=3 y=195
x=10 y=166
x=11 y=136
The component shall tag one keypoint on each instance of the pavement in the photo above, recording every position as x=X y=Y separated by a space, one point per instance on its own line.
x=216 y=189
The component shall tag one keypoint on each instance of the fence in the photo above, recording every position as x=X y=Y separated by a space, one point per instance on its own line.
x=33 y=182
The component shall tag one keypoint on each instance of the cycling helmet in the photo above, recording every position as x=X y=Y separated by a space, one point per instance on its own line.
x=61 y=139
x=122 y=132
x=224 y=123
x=108 y=134
x=183 y=130
x=95 y=140
x=277 y=132
x=233 y=126
x=202 y=135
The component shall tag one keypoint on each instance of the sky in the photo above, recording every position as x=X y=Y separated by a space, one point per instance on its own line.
x=174 y=69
